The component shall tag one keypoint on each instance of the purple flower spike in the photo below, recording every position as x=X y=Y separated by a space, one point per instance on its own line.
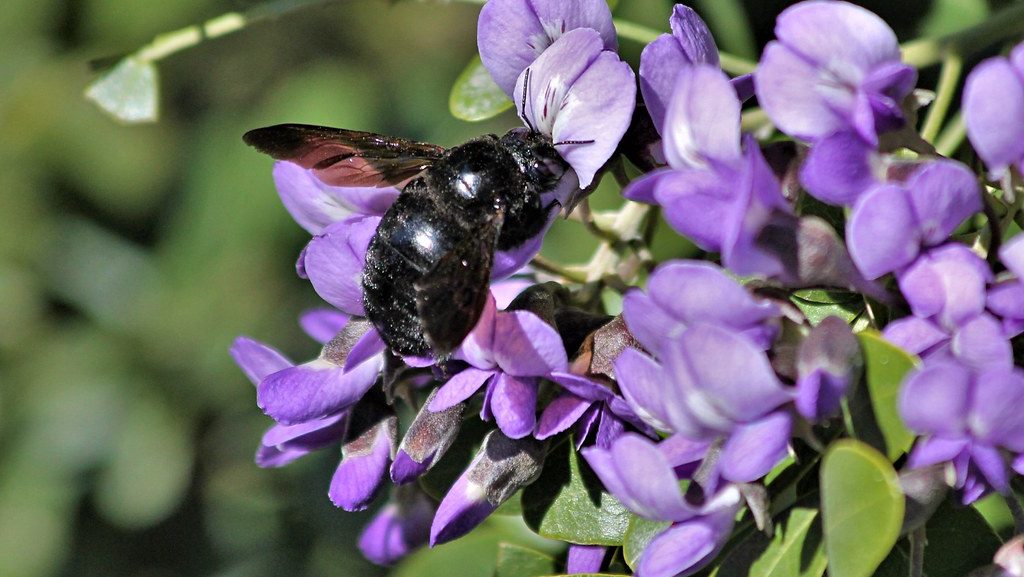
x=580 y=95
x=334 y=262
x=370 y=441
x=511 y=34
x=994 y=112
x=890 y=223
x=315 y=205
x=507 y=352
x=834 y=67
x=681 y=293
x=501 y=467
x=669 y=55
x=399 y=528
x=968 y=416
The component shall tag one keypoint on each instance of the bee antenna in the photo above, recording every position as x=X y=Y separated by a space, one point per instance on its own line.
x=522 y=106
x=563 y=142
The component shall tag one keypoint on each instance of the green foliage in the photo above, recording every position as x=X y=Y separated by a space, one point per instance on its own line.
x=872 y=411
x=639 y=534
x=475 y=96
x=861 y=508
x=795 y=550
x=568 y=503
x=816 y=304
x=518 y=561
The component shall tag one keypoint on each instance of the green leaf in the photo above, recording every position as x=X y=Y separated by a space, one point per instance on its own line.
x=862 y=508
x=639 y=534
x=817 y=304
x=958 y=540
x=129 y=91
x=475 y=96
x=885 y=366
x=795 y=550
x=949 y=16
x=518 y=561
x=568 y=503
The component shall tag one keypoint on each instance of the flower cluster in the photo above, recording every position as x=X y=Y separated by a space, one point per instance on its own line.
x=720 y=373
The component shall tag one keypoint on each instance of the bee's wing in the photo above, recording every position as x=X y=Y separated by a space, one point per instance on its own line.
x=342 y=157
x=451 y=297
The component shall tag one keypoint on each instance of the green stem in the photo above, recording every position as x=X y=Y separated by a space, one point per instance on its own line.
x=949 y=80
x=951 y=137
x=638 y=33
x=170 y=43
x=917 y=544
x=1006 y=23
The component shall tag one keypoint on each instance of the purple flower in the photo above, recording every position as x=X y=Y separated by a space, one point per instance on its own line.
x=827 y=360
x=841 y=167
x=511 y=34
x=946 y=284
x=316 y=205
x=1012 y=255
x=370 y=441
x=587 y=404
x=501 y=467
x=712 y=382
x=968 y=417
x=640 y=474
x=507 y=353
x=892 y=222
x=581 y=96
x=334 y=259
x=429 y=437
x=717 y=193
x=669 y=55
x=326 y=385
x=834 y=67
x=585 y=558
x=400 y=527
x=993 y=105
x=323 y=324
x=282 y=444
x=681 y=293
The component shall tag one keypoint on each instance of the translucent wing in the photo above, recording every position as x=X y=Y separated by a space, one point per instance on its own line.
x=451 y=297
x=342 y=157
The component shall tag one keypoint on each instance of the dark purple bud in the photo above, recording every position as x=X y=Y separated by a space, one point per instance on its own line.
x=427 y=440
x=500 y=468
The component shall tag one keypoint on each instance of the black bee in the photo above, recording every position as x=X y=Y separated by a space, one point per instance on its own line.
x=427 y=268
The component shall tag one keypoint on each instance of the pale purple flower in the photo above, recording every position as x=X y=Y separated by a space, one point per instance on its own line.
x=828 y=359
x=680 y=293
x=511 y=34
x=282 y=444
x=581 y=96
x=834 y=67
x=841 y=167
x=326 y=385
x=641 y=475
x=711 y=382
x=946 y=284
x=585 y=558
x=669 y=55
x=1012 y=255
x=891 y=223
x=501 y=467
x=968 y=418
x=316 y=205
x=402 y=526
x=334 y=260
x=718 y=192
x=993 y=105
x=507 y=352
x=323 y=324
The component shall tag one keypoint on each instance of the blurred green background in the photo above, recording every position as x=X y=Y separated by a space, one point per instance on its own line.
x=131 y=256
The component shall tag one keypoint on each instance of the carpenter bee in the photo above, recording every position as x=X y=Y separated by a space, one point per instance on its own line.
x=425 y=281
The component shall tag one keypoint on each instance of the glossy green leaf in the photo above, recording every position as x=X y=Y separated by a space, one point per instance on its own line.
x=817 y=304
x=568 y=503
x=129 y=91
x=885 y=366
x=475 y=96
x=639 y=534
x=518 y=561
x=795 y=550
x=862 y=508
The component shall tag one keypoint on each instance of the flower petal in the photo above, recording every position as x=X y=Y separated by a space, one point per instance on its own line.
x=836 y=33
x=943 y=194
x=934 y=399
x=995 y=415
x=703 y=119
x=256 y=359
x=313 y=390
x=642 y=382
x=981 y=344
x=1012 y=255
x=459 y=388
x=882 y=231
x=526 y=346
x=334 y=262
x=322 y=324
x=560 y=414
x=752 y=450
x=786 y=86
x=513 y=403
x=993 y=105
x=363 y=467
x=397 y=530
x=839 y=168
